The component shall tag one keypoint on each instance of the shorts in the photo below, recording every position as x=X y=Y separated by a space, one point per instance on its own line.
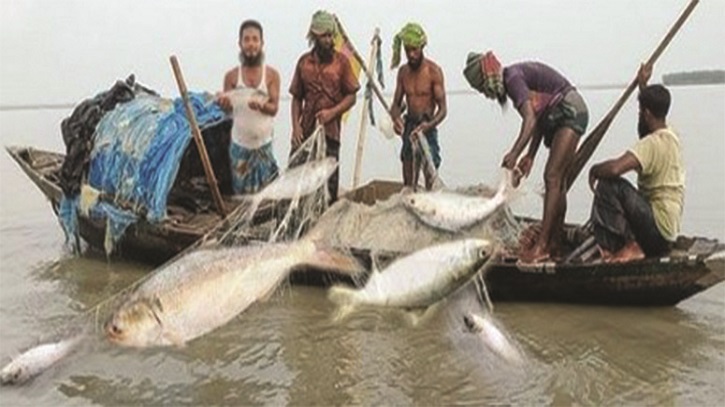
x=570 y=112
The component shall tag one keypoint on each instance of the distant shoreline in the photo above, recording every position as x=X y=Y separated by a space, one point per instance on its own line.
x=713 y=77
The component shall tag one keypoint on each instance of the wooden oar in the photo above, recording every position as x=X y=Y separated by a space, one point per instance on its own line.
x=375 y=43
x=592 y=141
x=196 y=133
x=376 y=90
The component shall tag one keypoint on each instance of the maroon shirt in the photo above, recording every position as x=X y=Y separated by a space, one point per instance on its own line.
x=322 y=86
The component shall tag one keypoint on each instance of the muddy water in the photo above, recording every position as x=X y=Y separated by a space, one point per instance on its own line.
x=291 y=350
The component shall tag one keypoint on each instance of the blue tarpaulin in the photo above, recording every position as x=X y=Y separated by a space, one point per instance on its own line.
x=136 y=155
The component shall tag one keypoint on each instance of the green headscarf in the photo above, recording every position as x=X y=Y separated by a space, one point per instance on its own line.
x=412 y=35
x=322 y=22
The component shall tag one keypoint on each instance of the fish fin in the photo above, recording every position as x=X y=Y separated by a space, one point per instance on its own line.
x=418 y=316
x=174 y=338
x=332 y=259
x=341 y=295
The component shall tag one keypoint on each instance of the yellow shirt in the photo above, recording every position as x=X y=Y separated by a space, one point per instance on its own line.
x=662 y=179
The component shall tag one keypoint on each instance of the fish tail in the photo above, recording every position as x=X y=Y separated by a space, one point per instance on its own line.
x=506 y=189
x=327 y=258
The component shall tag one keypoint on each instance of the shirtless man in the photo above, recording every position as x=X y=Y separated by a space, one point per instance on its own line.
x=421 y=82
x=251 y=92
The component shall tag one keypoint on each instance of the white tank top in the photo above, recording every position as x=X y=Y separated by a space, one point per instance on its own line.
x=252 y=129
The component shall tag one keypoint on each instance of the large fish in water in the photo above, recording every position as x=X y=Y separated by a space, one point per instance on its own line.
x=421 y=278
x=452 y=212
x=207 y=288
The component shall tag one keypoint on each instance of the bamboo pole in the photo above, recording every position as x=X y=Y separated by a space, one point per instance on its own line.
x=592 y=141
x=196 y=133
x=375 y=43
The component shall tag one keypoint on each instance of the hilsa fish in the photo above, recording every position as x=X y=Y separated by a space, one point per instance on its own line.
x=421 y=278
x=452 y=212
x=36 y=360
x=293 y=183
x=492 y=337
x=207 y=288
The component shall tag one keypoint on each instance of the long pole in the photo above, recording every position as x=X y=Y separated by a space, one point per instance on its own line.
x=592 y=141
x=196 y=133
x=363 y=66
x=375 y=43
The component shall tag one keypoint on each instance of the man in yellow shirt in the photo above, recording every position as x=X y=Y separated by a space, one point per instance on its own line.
x=630 y=224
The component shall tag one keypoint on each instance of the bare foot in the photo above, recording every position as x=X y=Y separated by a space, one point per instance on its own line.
x=605 y=254
x=630 y=252
x=533 y=255
x=529 y=236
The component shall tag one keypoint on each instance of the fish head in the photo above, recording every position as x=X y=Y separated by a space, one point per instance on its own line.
x=477 y=252
x=14 y=373
x=134 y=324
x=419 y=203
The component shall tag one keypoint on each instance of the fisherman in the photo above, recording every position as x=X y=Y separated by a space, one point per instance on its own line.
x=630 y=224
x=421 y=82
x=323 y=88
x=251 y=92
x=553 y=111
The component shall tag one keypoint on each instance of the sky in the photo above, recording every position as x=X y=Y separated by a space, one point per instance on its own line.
x=62 y=51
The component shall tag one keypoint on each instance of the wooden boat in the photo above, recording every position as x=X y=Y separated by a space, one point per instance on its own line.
x=188 y=219
x=694 y=265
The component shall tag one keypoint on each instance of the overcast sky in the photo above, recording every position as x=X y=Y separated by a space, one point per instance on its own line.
x=61 y=51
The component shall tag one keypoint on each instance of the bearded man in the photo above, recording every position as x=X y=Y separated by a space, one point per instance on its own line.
x=251 y=93
x=421 y=82
x=323 y=88
x=630 y=224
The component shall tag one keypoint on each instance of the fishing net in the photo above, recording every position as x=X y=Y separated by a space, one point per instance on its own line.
x=388 y=226
x=287 y=217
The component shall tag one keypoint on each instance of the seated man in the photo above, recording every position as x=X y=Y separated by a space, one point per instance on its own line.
x=630 y=224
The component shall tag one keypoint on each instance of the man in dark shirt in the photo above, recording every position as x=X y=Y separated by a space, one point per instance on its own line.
x=323 y=89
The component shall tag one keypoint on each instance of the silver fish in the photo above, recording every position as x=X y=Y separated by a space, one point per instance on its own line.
x=421 y=278
x=452 y=212
x=493 y=337
x=207 y=288
x=36 y=360
x=293 y=183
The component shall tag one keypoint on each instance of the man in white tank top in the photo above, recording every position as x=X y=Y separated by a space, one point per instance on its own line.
x=251 y=94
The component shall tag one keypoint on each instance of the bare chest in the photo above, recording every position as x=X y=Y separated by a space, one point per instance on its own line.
x=418 y=84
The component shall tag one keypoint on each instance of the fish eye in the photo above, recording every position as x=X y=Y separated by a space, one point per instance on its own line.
x=468 y=321
x=116 y=330
x=483 y=253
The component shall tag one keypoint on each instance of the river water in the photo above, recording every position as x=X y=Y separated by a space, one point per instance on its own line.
x=290 y=350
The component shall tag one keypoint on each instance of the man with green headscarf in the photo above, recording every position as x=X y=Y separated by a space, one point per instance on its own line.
x=421 y=82
x=323 y=88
